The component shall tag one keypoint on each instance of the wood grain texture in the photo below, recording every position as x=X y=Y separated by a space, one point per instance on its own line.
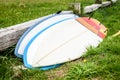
x=9 y=36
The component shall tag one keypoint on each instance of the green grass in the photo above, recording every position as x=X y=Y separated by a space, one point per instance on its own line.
x=101 y=63
x=17 y=11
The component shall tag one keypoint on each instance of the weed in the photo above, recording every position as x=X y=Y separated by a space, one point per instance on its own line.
x=81 y=70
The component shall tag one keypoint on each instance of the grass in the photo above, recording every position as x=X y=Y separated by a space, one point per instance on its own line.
x=17 y=11
x=101 y=63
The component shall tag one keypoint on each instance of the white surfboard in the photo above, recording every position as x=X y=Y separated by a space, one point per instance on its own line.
x=60 y=42
x=41 y=25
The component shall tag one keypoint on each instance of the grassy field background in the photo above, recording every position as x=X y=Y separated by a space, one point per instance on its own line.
x=101 y=63
x=16 y=11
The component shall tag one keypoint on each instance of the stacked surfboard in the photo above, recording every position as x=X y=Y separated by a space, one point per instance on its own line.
x=58 y=38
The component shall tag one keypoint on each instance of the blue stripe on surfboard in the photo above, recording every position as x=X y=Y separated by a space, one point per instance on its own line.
x=50 y=67
x=30 y=42
x=26 y=32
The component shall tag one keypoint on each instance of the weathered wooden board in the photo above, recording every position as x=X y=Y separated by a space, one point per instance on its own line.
x=94 y=7
x=9 y=36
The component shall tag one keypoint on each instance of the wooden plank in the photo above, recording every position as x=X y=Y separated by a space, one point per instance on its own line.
x=94 y=7
x=9 y=36
x=107 y=3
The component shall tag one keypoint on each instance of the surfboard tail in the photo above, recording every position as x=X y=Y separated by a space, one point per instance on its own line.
x=93 y=25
